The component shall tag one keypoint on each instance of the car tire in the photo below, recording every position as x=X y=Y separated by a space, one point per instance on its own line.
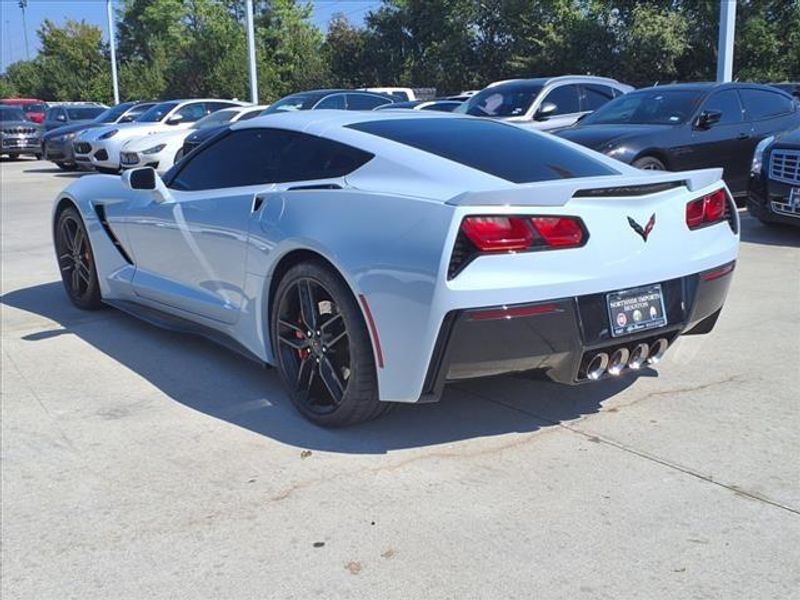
x=13 y=156
x=330 y=374
x=649 y=163
x=76 y=260
x=67 y=166
x=38 y=156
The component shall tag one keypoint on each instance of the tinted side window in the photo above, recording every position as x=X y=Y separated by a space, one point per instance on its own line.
x=565 y=98
x=505 y=151
x=761 y=104
x=728 y=104
x=365 y=101
x=260 y=156
x=215 y=106
x=192 y=112
x=251 y=114
x=594 y=96
x=334 y=102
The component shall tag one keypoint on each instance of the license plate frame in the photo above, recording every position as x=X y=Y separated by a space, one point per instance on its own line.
x=634 y=310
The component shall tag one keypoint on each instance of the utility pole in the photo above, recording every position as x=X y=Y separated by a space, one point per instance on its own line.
x=113 y=44
x=251 y=52
x=727 y=28
x=10 y=57
x=23 y=4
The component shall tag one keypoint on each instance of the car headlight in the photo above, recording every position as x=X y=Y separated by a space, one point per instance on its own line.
x=109 y=134
x=154 y=149
x=66 y=137
x=758 y=155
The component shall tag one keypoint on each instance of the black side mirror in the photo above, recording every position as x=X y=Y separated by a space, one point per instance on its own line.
x=142 y=179
x=708 y=119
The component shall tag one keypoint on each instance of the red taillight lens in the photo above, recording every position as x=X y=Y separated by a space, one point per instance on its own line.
x=707 y=210
x=498 y=234
x=559 y=232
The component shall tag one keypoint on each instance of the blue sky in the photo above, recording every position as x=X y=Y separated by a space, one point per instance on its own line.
x=12 y=33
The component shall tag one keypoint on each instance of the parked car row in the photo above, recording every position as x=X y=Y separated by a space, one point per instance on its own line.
x=666 y=127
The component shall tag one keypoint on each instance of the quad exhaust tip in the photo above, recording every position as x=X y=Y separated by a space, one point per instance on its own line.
x=657 y=352
x=618 y=360
x=638 y=356
x=597 y=366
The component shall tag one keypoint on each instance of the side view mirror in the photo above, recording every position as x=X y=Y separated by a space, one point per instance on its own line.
x=146 y=179
x=174 y=119
x=126 y=119
x=545 y=111
x=708 y=119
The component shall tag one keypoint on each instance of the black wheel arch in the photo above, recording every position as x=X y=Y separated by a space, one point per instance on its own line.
x=654 y=153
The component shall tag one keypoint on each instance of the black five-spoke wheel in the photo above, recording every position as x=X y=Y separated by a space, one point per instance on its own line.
x=76 y=261
x=322 y=347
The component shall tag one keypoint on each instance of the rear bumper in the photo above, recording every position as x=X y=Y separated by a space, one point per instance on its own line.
x=559 y=337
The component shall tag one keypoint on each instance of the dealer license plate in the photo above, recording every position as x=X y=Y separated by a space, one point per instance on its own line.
x=637 y=309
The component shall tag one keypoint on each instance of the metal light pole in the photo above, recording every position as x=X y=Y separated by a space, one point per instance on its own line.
x=23 y=4
x=251 y=52
x=10 y=58
x=727 y=27
x=113 y=43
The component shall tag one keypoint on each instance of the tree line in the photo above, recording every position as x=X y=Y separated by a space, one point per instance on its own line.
x=194 y=48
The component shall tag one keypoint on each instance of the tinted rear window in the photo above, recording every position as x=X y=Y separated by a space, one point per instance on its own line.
x=505 y=151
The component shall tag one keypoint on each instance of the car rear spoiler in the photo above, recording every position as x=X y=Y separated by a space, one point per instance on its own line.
x=560 y=191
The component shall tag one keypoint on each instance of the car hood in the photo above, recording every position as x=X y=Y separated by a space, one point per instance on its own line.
x=126 y=130
x=72 y=128
x=15 y=124
x=597 y=137
x=790 y=139
x=201 y=135
x=154 y=139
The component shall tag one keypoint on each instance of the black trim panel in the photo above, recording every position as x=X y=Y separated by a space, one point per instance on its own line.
x=629 y=190
x=100 y=210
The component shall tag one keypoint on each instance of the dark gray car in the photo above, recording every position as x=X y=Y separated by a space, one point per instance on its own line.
x=18 y=134
x=71 y=114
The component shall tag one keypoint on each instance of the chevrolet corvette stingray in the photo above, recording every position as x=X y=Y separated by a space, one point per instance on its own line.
x=372 y=257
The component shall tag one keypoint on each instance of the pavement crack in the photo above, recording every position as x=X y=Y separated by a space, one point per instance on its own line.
x=593 y=437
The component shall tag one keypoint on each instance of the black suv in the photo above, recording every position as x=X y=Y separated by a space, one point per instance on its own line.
x=774 y=191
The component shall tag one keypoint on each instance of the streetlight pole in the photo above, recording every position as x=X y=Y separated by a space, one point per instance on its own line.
x=113 y=43
x=251 y=52
x=727 y=27
x=23 y=4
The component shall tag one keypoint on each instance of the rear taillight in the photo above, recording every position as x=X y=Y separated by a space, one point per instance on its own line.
x=708 y=210
x=494 y=234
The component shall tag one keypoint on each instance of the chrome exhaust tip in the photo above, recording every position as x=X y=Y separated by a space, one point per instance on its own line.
x=659 y=349
x=638 y=356
x=618 y=360
x=597 y=366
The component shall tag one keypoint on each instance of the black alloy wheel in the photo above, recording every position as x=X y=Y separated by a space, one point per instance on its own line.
x=322 y=348
x=76 y=260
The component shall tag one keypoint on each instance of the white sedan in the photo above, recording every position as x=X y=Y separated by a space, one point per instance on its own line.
x=100 y=147
x=162 y=150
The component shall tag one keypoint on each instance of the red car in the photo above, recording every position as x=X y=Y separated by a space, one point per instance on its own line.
x=34 y=109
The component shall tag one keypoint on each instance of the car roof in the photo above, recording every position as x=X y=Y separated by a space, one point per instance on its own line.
x=703 y=86
x=558 y=79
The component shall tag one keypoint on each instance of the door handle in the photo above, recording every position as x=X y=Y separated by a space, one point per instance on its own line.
x=743 y=136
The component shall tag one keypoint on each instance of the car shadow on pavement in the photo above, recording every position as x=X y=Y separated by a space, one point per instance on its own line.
x=210 y=379
x=754 y=231
x=58 y=172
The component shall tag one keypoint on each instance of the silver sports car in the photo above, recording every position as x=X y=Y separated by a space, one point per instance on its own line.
x=372 y=257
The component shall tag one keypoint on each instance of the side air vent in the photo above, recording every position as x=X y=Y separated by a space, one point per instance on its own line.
x=100 y=210
x=629 y=190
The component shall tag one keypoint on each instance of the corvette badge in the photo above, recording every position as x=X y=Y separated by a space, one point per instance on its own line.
x=644 y=232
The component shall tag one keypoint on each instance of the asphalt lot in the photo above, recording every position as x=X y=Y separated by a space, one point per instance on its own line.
x=138 y=463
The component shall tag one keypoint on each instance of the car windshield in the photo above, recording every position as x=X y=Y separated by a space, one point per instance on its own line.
x=293 y=103
x=110 y=115
x=156 y=113
x=84 y=113
x=216 y=118
x=651 y=107
x=506 y=100
x=12 y=113
x=34 y=108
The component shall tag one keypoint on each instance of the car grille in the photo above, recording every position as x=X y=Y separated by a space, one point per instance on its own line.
x=101 y=154
x=128 y=158
x=784 y=165
x=19 y=130
x=83 y=148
